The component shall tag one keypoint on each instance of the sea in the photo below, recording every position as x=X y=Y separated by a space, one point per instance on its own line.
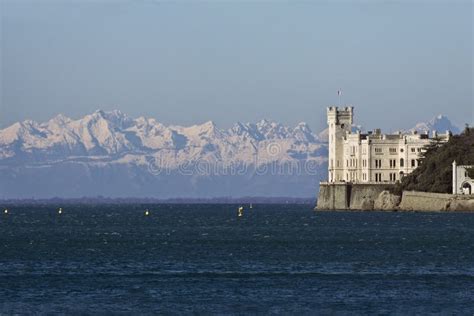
x=205 y=259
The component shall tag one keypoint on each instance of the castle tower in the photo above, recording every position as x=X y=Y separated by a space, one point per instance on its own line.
x=339 y=122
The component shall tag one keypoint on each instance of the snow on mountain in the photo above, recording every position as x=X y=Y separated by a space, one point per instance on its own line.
x=143 y=157
x=439 y=123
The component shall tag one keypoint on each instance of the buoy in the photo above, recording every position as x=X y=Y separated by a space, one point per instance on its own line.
x=147 y=213
x=60 y=211
x=241 y=211
x=251 y=205
x=6 y=211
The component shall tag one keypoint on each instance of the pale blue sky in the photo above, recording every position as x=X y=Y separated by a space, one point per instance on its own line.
x=189 y=62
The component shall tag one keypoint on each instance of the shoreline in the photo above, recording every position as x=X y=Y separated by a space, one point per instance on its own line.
x=370 y=197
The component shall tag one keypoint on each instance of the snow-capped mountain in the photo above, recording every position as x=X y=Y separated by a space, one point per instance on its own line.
x=439 y=123
x=111 y=154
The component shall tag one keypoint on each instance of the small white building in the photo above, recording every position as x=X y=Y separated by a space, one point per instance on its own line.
x=374 y=156
x=462 y=183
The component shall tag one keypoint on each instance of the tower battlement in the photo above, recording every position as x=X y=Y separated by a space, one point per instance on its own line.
x=343 y=115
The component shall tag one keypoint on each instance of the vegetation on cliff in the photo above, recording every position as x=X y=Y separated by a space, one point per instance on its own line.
x=435 y=172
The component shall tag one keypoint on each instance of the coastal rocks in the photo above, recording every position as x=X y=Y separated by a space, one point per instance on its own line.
x=386 y=201
x=367 y=204
x=363 y=196
x=462 y=205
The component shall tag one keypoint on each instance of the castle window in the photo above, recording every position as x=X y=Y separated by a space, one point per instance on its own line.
x=393 y=150
x=378 y=177
x=413 y=149
x=378 y=150
x=402 y=162
x=419 y=150
x=378 y=163
x=413 y=164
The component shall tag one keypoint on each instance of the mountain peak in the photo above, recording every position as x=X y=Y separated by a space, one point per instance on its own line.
x=60 y=119
x=209 y=124
x=439 y=123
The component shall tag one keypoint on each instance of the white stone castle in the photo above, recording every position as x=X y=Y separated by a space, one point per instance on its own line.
x=371 y=157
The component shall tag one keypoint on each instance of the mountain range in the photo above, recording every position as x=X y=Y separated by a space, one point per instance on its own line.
x=113 y=155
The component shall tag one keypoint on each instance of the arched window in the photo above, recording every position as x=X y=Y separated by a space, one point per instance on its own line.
x=466 y=188
x=402 y=162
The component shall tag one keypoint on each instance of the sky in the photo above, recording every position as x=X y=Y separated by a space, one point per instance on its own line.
x=187 y=62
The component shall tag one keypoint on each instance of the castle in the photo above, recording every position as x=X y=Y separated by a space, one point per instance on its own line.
x=372 y=157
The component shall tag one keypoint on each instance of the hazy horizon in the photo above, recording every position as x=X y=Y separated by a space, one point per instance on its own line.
x=188 y=63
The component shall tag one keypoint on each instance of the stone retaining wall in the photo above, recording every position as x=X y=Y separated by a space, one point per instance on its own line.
x=366 y=197
x=347 y=196
x=435 y=202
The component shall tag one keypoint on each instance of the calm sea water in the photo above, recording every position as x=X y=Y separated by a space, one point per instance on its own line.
x=204 y=259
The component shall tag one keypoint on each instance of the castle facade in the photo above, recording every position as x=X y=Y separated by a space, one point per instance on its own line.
x=462 y=183
x=372 y=157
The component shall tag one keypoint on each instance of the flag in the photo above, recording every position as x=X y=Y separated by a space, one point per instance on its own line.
x=339 y=92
